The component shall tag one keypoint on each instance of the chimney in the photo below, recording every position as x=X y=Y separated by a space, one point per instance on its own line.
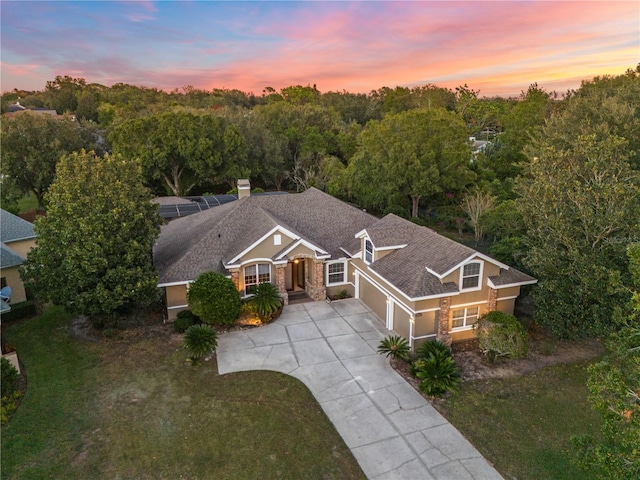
x=244 y=188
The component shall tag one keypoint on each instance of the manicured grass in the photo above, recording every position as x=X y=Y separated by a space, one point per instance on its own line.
x=28 y=203
x=523 y=425
x=133 y=409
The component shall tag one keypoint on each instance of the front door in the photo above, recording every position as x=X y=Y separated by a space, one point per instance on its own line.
x=297 y=274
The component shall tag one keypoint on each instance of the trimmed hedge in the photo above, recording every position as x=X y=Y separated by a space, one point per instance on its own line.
x=184 y=320
x=20 y=310
x=501 y=334
x=214 y=298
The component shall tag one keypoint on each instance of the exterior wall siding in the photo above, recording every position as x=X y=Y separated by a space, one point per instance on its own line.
x=301 y=251
x=508 y=292
x=373 y=298
x=349 y=287
x=426 y=324
x=176 y=296
x=12 y=276
x=22 y=247
x=266 y=249
x=506 y=306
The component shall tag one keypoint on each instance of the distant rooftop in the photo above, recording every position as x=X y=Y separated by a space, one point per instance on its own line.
x=174 y=207
x=13 y=228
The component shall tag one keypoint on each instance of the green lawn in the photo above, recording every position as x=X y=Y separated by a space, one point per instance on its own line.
x=132 y=408
x=524 y=424
x=28 y=203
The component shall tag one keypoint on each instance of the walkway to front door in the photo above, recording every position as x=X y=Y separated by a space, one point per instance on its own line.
x=391 y=429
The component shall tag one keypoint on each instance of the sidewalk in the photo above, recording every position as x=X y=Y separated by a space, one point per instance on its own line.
x=393 y=432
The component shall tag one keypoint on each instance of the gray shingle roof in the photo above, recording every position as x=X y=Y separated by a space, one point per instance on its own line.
x=436 y=252
x=201 y=242
x=208 y=240
x=406 y=268
x=9 y=258
x=392 y=231
x=13 y=228
x=510 y=277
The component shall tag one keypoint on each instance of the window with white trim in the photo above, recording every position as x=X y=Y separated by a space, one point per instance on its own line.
x=336 y=273
x=471 y=275
x=465 y=317
x=254 y=275
x=368 y=252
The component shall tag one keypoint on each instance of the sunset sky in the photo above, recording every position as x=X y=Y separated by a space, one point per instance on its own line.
x=498 y=48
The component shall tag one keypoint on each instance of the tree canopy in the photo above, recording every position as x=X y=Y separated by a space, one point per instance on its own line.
x=416 y=153
x=94 y=249
x=31 y=148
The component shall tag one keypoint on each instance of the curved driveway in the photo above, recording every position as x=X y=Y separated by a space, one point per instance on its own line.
x=393 y=432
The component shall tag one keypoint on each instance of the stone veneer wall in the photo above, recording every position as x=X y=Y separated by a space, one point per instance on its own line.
x=235 y=277
x=492 y=301
x=443 y=323
x=316 y=288
x=281 y=283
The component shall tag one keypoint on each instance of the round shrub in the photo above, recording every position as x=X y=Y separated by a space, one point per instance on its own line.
x=214 y=298
x=501 y=334
x=184 y=320
x=200 y=340
x=266 y=301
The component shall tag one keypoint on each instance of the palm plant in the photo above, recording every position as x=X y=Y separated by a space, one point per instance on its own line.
x=395 y=346
x=266 y=300
x=438 y=374
x=432 y=346
x=200 y=340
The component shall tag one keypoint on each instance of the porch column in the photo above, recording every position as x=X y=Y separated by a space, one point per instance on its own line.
x=281 y=282
x=316 y=288
x=492 y=301
x=235 y=277
x=443 y=321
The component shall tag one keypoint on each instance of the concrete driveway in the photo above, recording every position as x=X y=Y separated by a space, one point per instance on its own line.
x=393 y=432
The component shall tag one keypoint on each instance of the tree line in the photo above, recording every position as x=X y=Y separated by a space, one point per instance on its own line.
x=551 y=186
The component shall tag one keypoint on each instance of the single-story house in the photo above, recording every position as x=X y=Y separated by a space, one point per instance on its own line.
x=419 y=283
x=17 y=238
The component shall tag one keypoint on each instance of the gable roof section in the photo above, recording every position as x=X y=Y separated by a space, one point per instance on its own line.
x=391 y=231
x=13 y=228
x=405 y=269
x=510 y=278
x=320 y=218
x=418 y=268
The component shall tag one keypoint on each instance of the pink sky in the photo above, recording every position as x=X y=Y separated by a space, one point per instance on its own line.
x=499 y=48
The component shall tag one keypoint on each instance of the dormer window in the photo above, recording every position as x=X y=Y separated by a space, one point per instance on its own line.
x=368 y=252
x=471 y=273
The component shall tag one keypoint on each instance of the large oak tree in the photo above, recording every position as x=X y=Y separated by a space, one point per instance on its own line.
x=416 y=153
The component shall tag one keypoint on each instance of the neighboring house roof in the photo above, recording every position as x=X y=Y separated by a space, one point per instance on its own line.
x=9 y=258
x=207 y=241
x=13 y=228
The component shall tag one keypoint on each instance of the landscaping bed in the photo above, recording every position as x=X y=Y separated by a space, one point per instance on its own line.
x=521 y=413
